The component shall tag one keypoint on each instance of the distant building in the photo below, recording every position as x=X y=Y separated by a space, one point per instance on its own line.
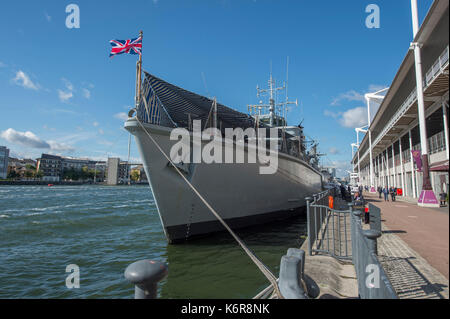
x=99 y=171
x=53 y=167
x=74 y=163
x=112 y=171
x=117 y=172
x=141 y=173
x=50 y=166
x=124 y=172
x=328 y=173
x=20 y=167
x=4 y=157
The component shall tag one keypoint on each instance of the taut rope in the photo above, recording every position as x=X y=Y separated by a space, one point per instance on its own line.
x=267 y=273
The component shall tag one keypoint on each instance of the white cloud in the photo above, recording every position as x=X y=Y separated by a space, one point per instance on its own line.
x=95 y=124
x=68 y=84
x=356 y=117
x=100 y=131
x=86 y=93
x=121 y=116
x=24 y=80
x=333 y=151
x=29 y=139
x=342 y=167
x=64 y=96
x=351 y=95
x=61 y=147
x=67 y=94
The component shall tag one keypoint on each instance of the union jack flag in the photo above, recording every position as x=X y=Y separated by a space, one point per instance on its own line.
x=133 y=46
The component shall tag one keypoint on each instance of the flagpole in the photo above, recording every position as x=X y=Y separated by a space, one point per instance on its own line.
x=139 y=77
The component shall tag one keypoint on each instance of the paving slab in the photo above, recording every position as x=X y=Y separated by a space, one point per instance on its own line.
x=424 y=230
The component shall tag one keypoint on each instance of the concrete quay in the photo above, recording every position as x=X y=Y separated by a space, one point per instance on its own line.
x=413 y=251
x=414 y=248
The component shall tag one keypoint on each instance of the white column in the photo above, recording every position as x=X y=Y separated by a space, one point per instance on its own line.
x=413 y=172
x=370 y=147
x=388 y=173
x=378 y=171
x=402 y=170
x=427 y=197
x=444 y=111
x=353 y=158
x=359 y=165
x=394 y=180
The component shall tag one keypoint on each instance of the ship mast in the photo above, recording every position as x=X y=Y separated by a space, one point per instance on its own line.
x=271 y=107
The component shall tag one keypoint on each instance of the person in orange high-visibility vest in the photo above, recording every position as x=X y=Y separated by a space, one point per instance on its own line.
x=330 y=202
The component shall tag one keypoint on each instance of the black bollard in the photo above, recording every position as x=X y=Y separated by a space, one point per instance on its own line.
x=291 y=275
x=372 y=236
x=145 y=275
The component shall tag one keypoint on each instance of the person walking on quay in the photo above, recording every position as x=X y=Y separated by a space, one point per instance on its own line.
x=393 y=193
x=386 y=194
x=443 y=199
x=380 y=191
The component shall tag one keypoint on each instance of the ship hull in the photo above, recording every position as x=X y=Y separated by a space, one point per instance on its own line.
x=238 y=192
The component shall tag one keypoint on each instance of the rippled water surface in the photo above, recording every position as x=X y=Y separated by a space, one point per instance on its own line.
x=103 y=229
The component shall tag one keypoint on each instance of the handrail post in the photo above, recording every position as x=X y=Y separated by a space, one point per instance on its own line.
x=308 y=222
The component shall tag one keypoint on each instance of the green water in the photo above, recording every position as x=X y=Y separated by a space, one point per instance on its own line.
x=103 y=229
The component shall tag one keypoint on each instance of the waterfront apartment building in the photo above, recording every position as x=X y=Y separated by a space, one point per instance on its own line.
x=50 y=166
x=4 y=156
x=395 y=128
x=53 y=166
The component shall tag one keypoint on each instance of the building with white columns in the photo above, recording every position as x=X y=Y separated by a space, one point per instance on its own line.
x=395 y=127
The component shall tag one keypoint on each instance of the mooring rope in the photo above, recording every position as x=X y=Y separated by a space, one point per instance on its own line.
x=264 y=269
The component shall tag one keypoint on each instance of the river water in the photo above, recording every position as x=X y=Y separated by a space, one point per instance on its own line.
x=103 y=229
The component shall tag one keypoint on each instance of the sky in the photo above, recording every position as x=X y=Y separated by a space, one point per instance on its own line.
x=60 y=93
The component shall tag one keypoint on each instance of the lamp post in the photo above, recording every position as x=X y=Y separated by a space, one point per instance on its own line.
x=359 y=167
x=361 y=130
x=427 y=196
x=353 y=155
x=378 y=98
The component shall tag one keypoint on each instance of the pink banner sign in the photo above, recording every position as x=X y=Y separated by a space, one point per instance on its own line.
x=417 y=156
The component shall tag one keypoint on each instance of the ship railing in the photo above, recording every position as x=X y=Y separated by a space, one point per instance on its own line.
x=150 y=109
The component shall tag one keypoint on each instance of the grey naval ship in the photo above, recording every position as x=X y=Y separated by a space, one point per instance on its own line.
x=240 y=194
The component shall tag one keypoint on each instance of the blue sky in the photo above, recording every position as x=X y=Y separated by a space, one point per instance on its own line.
x=60 y=92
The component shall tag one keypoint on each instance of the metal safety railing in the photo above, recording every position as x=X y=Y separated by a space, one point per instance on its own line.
x=328 y=227
x=373 y=282
x=335 y=229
